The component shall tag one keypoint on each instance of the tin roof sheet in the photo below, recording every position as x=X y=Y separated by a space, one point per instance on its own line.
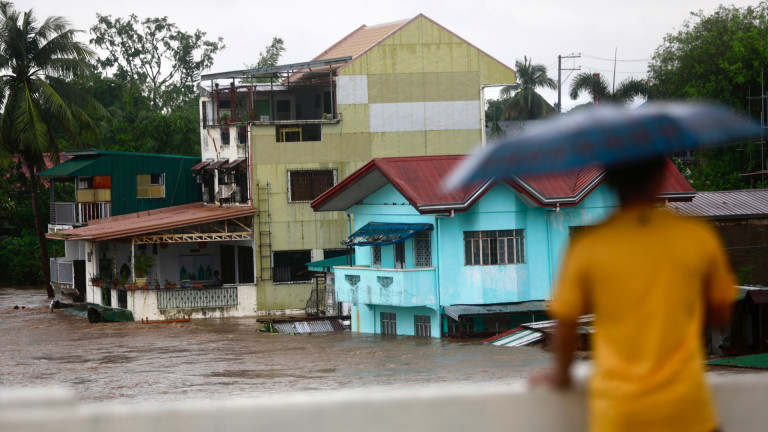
x=309 y=326
x=145 y=222
x=457 y=311
x=361 y=39
x=735 y=204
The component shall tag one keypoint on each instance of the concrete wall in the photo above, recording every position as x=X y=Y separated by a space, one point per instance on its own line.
x=739 y=399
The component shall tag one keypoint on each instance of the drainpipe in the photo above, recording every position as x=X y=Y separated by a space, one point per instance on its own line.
x=437 y=269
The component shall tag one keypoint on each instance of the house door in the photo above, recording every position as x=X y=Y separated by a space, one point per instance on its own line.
x=400 y=255
x=227 y=264
x=78 y=268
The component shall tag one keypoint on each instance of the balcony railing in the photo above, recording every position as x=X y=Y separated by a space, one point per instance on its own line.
x=393 y=287
x=62 y=271
x=69 y=213
x=197 y=298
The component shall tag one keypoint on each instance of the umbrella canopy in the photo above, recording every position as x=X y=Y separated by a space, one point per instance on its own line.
x=607 y=135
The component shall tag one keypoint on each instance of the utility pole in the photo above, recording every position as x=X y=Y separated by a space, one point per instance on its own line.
x=559 y=77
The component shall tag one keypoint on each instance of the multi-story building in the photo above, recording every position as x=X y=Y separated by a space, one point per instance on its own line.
x=405 y=88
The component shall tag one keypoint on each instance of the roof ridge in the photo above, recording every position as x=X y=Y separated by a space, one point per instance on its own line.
x=345 y=38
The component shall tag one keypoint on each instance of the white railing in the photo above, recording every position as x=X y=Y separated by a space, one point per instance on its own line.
x=95 y=210
x=740 y=402
x=62 y=271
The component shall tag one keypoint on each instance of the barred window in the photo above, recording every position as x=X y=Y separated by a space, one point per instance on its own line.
x=376 y=256
x=422 y=244
x=422 y=325
x=306 y=185
x=291 y=266
x=494 y=247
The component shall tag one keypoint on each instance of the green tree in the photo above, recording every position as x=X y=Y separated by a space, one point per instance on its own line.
x=38 y=63
x=269 y=57
x=524 y=103
x=720 y=56
x=597 y=87
x=163 y=60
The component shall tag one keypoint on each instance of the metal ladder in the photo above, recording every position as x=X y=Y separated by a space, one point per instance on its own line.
x=265 y=235
x=317 y=300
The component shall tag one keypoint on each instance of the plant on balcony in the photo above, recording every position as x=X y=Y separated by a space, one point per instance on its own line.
x=142 y=264
x=223 y=118
x=97 y=280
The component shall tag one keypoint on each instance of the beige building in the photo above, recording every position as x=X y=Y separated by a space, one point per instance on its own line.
x=405 y=88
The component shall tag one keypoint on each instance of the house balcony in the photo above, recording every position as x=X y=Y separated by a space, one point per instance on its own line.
x=65 y=215
x=391 y=287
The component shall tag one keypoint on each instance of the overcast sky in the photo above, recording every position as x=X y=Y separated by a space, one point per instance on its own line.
x=505 y=29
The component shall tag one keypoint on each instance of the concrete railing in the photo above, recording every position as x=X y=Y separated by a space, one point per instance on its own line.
x=740 y=401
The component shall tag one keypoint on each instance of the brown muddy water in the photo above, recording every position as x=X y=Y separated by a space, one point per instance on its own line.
x=217 y=358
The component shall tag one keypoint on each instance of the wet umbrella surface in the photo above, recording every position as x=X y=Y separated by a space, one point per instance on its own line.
x=606 y=135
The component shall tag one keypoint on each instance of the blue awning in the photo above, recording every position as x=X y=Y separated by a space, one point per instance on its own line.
x=380 y=234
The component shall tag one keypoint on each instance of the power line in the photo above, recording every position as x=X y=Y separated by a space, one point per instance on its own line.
x=618 y=60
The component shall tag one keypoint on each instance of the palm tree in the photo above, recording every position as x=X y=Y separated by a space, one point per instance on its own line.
x=597 y=87
x=526 y=103
x=37 y=63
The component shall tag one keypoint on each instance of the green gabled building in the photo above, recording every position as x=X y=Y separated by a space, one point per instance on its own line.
x=111 y=183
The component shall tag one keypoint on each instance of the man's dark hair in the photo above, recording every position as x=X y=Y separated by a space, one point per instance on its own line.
x=636 y=180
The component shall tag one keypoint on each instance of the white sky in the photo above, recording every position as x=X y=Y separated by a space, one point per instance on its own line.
x=505 y=29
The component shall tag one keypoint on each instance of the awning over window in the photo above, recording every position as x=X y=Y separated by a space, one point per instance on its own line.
x=458 y=311
x=234 y=163
x=380 y=234
x=201 y=165
x=217 y=164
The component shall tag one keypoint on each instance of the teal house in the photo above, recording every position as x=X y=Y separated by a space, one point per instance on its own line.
x=478 y=260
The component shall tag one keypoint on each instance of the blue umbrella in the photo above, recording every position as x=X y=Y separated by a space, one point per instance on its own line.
x=607 y=135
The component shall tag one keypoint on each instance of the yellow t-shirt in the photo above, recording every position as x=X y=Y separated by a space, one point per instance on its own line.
x=648 y=277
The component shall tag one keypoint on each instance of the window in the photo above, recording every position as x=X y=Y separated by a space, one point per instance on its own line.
x=494 y=247
x=242 y=135
x=422 y=325
x=298 y=133
x=388 y=323
x=85 y=182
x=422 y=245
x=150 y=186
x=225 y=135
x=306 y=185
x=205 y=114
x=400 y=255
x=376 y=256
x=345 y=252
x=291 y=266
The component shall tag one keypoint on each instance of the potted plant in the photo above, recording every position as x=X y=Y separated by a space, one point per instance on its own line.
x=223 y=118
x=142 y=263
x=97 y=281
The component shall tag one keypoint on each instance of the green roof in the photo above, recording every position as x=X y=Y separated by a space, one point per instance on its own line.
x=327 y=264
x=755 y=361
x=69 y=168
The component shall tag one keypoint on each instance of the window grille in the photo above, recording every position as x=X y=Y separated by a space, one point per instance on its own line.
x=376 y=256
x=423 y=247
x=291 y=266
x=388 y=323
x=422 y=325
x=494 y=247
x=306 y=185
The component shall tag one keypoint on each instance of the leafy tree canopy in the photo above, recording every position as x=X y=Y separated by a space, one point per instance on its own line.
x=162 y=59
x=722 y=57
x=269 y=57
x=598 y=88
x=718 y=57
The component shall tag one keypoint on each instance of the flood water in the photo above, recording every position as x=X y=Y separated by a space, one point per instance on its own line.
x=221 y=358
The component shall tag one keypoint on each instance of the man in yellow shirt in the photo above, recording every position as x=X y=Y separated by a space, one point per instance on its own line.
x=651 y=279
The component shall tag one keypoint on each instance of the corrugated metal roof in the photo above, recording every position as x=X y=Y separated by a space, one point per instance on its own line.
x=151 y=221
x=457 y=311
x=382 y=233
x=69 y=168
x=309 y=326
x=521 y=337
x=363 y=38
x=420 y=180
x=328 y=263
x=725 y=204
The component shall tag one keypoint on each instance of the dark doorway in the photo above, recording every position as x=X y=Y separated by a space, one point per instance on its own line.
x=227 y=264
x=245 y=264
x=78 y=266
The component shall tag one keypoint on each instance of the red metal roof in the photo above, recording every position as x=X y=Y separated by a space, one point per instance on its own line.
x=128 y=225
x=420 y=180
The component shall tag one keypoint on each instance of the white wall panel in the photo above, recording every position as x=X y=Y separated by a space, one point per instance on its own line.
x=416 y=116
x=352 y=89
